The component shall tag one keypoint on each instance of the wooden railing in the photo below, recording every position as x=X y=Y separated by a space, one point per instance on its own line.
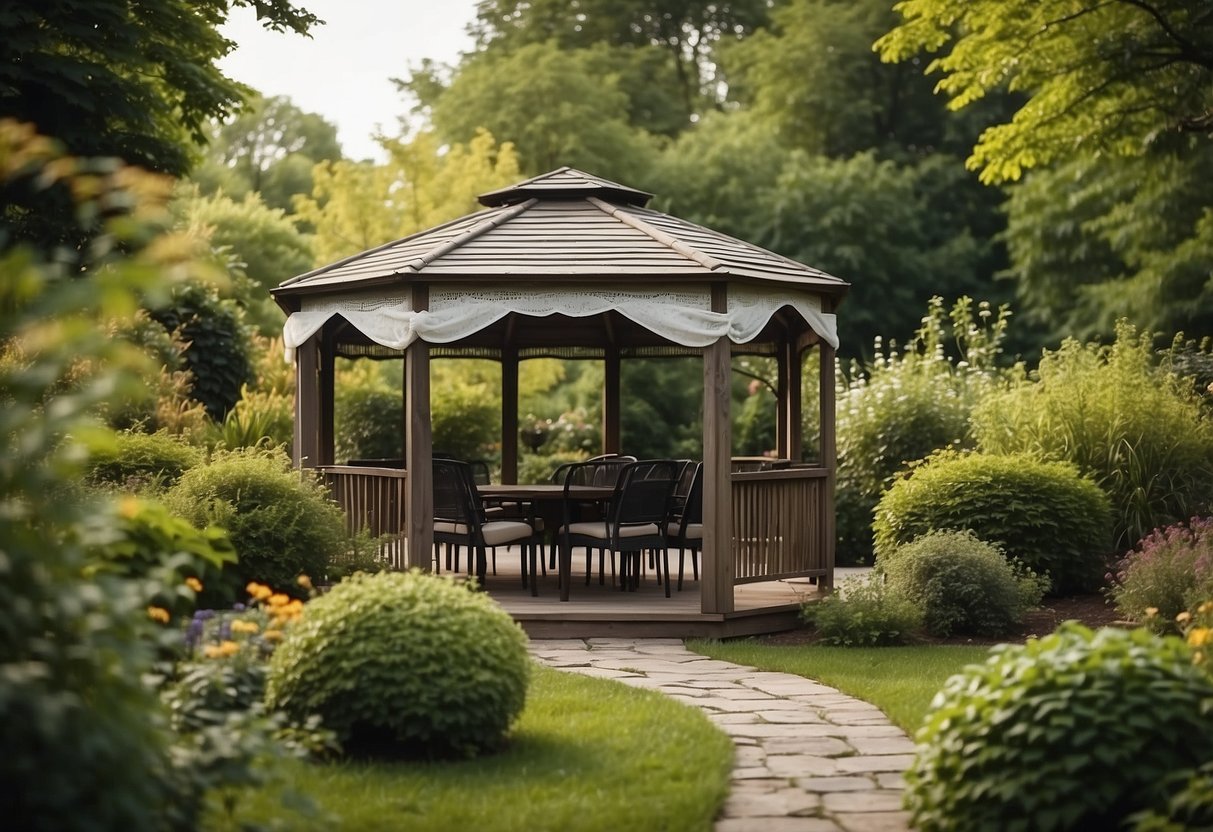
x=779 y=525
x=372 y=499
x=779 y=528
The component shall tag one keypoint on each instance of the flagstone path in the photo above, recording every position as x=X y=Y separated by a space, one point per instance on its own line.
x=808 y=759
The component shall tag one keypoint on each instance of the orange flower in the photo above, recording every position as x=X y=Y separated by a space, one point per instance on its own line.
x=279 y=599
x=159 y=614
x=221 y=650
x=1200 y=636
x=272 y=635
x=241 y=626
x=258 y=591
x=194 y=584
x=304 y=581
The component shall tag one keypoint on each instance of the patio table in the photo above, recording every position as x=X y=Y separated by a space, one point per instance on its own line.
x=548 y=499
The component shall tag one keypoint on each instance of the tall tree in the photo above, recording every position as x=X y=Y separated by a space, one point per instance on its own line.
x=687 y=32
x=137 y=81
x=270 y=148
x=1118 y=112
x=357 y=205
x=1099 y=76
x=558 y=107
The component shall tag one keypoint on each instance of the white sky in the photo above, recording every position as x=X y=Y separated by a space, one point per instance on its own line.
x=342 y=71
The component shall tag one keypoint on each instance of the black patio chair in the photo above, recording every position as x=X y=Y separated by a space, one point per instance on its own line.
x=685 y=529
x=636 y=520
x=601 y=472
x=459 y=520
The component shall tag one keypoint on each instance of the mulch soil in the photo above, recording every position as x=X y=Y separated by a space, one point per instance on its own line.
x=1091 y=610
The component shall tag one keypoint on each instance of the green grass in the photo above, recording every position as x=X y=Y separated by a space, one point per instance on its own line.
x=587 y=754
x=901 y=681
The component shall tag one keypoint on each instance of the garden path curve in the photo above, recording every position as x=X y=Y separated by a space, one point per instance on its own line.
x=808 y=758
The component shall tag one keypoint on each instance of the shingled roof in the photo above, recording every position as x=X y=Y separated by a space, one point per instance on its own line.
x=563 y=223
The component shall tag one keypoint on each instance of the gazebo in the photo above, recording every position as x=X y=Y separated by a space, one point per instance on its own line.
x=571 y=265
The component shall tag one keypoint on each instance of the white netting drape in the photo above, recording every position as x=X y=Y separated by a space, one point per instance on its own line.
x=680 y=314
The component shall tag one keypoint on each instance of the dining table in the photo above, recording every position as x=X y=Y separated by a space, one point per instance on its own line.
x=548 y=500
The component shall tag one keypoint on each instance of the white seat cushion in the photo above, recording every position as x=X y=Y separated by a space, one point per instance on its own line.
x=599 y=530
x=500 y=532
x=450 y=528
x=694 y=530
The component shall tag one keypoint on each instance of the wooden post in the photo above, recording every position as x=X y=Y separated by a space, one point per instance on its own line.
x=829 y=459
x=612 y=431
x=328 y=377
x=795 y=441
x=418 y=450
x=782 y=405
x=509 y=415
x=306 y=447
x=716 y=585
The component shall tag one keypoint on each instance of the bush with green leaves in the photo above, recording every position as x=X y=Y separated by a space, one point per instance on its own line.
x=963 y=585
x=1189 y=806
x=403 y=663
x=216 y=338
x=904 y=405
x=281 y=521
x=1170 y=571
x=1042 y=514
x=863 y=613
x=465 y=421
x=85 y=743
x=136 y=461
x=1077 y=730
x=1131 y=424
x=369 y=423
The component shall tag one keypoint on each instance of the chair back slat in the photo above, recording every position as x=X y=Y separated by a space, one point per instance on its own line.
x=644 y=492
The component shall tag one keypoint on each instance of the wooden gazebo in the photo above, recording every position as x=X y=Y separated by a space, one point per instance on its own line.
x=574 y=266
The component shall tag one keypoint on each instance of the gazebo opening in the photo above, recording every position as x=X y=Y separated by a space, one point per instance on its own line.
x=571 y=266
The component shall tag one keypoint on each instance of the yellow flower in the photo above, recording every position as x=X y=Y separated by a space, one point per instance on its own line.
x=272 y=635
x=1205 y=608
x=258 y=591
x=194 y=584
x=1200 y=636
x=278 y=599
x=219 y=651
x=304 y=581
x=241 y=626
x=159 y=614
x=129 y=507
x=1184 y=617
x=1151 y=612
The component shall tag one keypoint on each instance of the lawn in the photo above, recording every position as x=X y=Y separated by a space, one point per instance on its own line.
x=587 y=754
x=901 y=681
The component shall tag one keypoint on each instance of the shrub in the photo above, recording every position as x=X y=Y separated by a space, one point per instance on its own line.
x=217 y=338
x=1134 y=427
x=1190 y=805
x=369 y=424
x=404 y=663
x=465 y=421
x=1042 y=514
x=281 y=523
x=1170 y=571
x=961 y=584
x=863 y=614
x=137 y=460
x=1077 y=730
x=259 y=418
x=904 y=406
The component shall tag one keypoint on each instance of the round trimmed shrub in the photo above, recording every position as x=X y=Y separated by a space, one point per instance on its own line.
x=404 y=664
x=1078 y=730
x=282 y=524
x=962 y=584
x=138 y=460
x=1042 y=514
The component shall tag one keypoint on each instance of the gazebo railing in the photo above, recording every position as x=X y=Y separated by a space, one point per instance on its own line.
x=779 y=525
x=778 y=517
x=373 y=499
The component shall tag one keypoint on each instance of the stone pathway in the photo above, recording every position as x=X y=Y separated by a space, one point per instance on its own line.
x=809 y=759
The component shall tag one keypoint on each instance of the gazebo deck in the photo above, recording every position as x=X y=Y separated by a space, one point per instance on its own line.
x=604 y=611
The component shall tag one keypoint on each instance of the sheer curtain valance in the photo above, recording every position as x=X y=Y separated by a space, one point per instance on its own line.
x=680 y=314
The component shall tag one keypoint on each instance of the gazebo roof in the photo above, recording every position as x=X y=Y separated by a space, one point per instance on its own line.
x=563 y=224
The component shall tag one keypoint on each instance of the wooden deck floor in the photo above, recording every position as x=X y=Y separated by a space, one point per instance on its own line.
x=603 y=610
